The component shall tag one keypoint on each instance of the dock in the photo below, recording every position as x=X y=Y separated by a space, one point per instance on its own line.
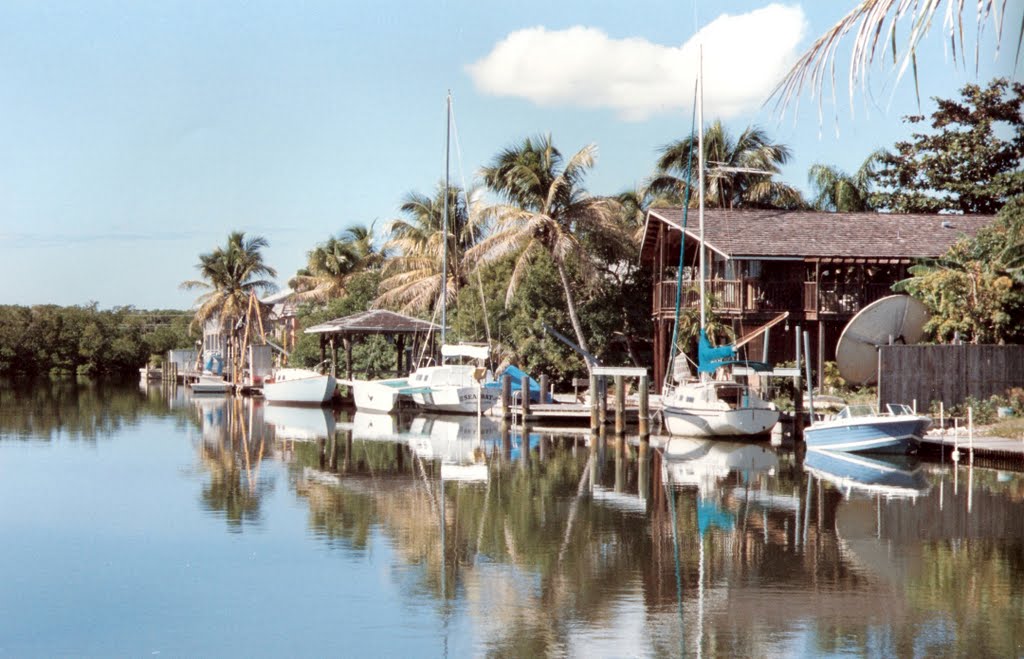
x=994 y=451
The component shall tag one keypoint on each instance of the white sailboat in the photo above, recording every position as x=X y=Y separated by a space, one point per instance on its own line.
x=299 y=386
x=703 y=406
x=452 y=388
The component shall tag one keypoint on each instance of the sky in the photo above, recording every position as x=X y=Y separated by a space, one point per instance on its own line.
x=135 y=136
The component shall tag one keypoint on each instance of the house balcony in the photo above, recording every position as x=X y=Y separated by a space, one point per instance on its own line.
x=751 y=296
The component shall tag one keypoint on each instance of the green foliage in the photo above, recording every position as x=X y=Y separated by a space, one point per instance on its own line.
x=966 y=165
x=977 y=288
x=739 y=172
x=85 y=340
x=371 y=356
x=837 y=191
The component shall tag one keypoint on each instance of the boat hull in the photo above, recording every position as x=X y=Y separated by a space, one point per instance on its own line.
x=299 y=388
x=893 y=435
x=457 y=400
x=377 y=395
x=209 y=384
x=691 y=422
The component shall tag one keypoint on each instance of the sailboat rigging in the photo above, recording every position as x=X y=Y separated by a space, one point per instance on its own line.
x=706 y=407
x=455 y=388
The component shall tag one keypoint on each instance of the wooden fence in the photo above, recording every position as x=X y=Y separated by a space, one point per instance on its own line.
x=947 y=373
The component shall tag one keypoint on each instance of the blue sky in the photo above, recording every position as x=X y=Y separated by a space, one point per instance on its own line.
x=135 y=136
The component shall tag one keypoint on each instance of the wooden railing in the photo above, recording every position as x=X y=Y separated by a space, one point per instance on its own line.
x=753 y=296
x=842 y=298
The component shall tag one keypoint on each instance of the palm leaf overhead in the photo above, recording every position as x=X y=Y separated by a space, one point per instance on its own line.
x=868 y=20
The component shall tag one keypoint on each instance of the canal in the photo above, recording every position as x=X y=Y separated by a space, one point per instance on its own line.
x=144 y=521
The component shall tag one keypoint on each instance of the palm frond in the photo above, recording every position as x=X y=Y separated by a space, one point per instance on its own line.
x=875 y=22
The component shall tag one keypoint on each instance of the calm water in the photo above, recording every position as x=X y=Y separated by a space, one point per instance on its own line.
x=144 y=522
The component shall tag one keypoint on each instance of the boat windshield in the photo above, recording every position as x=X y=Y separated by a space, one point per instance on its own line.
x=851 y=411
x=900 y=410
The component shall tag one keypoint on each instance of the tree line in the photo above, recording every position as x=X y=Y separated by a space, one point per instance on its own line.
x=530 y=246
x=86 y=340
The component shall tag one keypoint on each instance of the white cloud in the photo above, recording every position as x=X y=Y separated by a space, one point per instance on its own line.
x=744 y=57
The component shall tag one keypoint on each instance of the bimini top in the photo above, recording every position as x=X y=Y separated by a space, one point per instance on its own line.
x=465 y=350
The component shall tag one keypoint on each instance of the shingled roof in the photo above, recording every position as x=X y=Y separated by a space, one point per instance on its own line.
x=374 y=321
x=811 y=234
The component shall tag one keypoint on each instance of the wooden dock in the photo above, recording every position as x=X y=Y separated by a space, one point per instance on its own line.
x=1001 y=450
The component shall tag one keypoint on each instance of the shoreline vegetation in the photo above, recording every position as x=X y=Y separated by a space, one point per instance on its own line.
x=530 y=246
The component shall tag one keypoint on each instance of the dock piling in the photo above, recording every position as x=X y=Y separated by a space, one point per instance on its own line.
x=644 y=420
x=524 y=384
x=620 y=405
x=506 y=395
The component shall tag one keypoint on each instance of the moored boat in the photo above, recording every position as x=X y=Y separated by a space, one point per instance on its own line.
x=862 y=429
x=299 y=386
x=716 y=408
x=208 y=383
x=452 y=388
x=378 y=395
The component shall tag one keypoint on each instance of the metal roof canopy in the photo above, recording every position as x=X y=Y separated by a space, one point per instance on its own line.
x=374 y=321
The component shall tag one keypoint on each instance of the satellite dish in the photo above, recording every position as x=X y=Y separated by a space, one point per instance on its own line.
x=899 y=318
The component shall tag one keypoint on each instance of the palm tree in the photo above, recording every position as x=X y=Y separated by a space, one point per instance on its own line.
x=412 y=278
x=738 y=172
x=546 y=211
x=835 y=190
x=818 y=63
x=331 y=265
x=230 y=274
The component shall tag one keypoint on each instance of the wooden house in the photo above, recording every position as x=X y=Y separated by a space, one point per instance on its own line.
x=820 y=267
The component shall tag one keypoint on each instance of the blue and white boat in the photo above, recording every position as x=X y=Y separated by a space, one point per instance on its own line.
x=892 y=476
x=862 y=429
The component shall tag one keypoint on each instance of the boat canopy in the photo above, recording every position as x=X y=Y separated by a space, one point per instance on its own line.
x=465 y=350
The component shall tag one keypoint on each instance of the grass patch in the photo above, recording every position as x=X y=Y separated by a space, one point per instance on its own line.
x=1011 y=428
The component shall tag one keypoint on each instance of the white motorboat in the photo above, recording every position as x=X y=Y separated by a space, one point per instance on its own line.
x=299 y=386
x=208 y=383
x=454 y=388
x=862 y=429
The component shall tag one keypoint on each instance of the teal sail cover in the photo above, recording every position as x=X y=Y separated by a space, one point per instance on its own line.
x=709 y=358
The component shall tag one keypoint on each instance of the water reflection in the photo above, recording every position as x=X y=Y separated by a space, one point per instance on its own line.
x=234 y=442
x=891 y=476
x=504 y=540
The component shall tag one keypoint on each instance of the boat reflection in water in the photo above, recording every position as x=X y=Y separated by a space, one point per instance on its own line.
x=300 y=423
x=458 y=442
x=705 y=462
x=891 y=476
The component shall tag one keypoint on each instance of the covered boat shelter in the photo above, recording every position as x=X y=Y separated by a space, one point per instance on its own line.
x=403 y=331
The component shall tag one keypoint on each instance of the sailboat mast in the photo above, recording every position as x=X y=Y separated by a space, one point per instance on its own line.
x=700 y=177
x=444 y=224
